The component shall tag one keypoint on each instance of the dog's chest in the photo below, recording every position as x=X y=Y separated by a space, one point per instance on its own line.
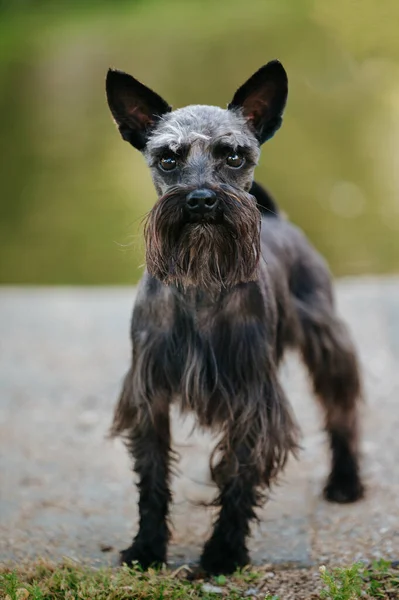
x=204 y=313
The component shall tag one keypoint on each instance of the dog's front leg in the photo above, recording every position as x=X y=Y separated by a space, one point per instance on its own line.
x=226 y=549
x=253 y=450
x=148 y=441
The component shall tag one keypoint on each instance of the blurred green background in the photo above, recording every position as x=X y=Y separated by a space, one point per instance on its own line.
x=73 y=195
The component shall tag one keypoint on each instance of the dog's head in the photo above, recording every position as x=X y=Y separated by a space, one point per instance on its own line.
x=204 y=230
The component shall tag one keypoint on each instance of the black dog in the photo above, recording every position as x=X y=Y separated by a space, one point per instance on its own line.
x=229 y=285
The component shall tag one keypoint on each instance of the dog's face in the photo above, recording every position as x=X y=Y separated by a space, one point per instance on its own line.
x=204 y=230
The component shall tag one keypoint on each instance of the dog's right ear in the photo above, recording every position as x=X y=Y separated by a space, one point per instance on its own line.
x=135 y=107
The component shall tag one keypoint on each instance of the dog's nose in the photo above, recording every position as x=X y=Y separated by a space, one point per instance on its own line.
x=201 y=202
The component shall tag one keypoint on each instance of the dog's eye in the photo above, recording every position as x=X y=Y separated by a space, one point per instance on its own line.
x=168 y=163
x=235 y=160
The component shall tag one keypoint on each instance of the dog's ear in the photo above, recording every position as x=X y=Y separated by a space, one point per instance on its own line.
x=135 y=107
x=262 y=99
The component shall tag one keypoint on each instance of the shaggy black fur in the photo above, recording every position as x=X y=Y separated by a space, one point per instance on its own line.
x=230 y=284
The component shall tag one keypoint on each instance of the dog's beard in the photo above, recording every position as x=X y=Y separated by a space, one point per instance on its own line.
x=208 y=256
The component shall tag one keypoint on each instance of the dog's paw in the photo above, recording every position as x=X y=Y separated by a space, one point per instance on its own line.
x=218 y=558
x=143 y=554
x=343 y=490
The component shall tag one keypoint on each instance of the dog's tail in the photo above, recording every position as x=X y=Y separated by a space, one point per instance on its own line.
x=267 y=206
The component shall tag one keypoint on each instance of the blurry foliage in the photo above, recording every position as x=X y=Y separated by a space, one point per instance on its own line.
x=73 y=195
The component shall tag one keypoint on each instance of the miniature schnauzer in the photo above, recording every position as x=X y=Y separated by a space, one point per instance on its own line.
x=229 y=285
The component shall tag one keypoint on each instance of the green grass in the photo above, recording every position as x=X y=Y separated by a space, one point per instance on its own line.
x=358 y=581
x=44 y=581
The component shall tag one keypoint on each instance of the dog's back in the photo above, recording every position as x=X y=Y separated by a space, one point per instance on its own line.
x=266 y=204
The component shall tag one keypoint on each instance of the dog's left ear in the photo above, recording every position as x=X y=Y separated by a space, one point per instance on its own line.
x=135 y=107
x=262 y=99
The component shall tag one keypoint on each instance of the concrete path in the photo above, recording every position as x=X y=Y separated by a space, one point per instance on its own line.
x=67 y=491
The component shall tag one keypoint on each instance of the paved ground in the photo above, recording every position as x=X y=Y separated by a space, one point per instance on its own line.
x=67 y=491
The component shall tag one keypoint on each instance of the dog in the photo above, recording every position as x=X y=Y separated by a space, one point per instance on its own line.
x=229 y=285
